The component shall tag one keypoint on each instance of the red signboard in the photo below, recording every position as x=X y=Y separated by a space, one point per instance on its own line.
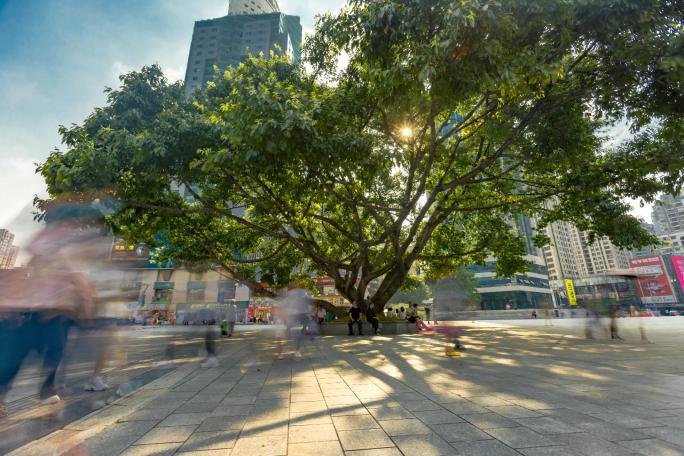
x=654 y=284
x=678 y=264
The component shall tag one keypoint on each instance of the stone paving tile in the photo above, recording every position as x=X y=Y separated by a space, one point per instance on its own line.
x=238 y=400
x=222 y=423
x=167 y=435
x=342 y=400
x=256 y=428
x=571 y=417
x=375 y=452
x=549 y=451
x=640 y=412
x=157 y=449
x=650 y=447
x=184 y=419
x=519 y=437
x=173 y=396
x=208 y=398
x=312 y=433
x=233 y=410
x=390 y=413
x=116 y=437
x=489 y=420
x=364 y=439
x=221 y=452
x=589 y=445
x=263 y=445
x=404 y=427
x=201 y=441
x=308 y=407
x=485 y=448
x=463 y=407
x=346 y=410
x=147 y=414
x=420 y=406
x=630 y=421
x=265 y=396
x=354 y=422
x=535 y=404
x=488 y=401
x=546 y=425
x=673 y=422
x=668 y=434
x=459 y=432
x=197 y=407
x=424 y=445
x=303 y=419
x=437 y=417
x=330 y=448
x=514 y=411
x=309 y=397
x=614 y=433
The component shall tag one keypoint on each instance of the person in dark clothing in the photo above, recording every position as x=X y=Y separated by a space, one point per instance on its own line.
x=355 y=317
x=613 y=323
x=372 y=319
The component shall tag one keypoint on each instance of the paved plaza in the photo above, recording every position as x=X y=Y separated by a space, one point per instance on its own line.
x=522 y=388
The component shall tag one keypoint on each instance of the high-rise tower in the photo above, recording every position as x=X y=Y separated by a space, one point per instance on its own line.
x=240 y=7
x=8 y=254
x=251 y=27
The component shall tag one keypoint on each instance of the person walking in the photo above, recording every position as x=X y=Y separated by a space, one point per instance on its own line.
x=231 y=318
x=209 y=319
x=614 y=324
x=355 y=317
x=40 y=303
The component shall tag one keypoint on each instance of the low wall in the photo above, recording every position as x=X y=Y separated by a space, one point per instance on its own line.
x=386 y=327
x=520 y=314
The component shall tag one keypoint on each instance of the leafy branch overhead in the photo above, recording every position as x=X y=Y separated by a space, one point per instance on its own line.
x=450 y=120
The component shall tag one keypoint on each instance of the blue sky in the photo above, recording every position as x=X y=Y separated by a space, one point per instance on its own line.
x=56 y=56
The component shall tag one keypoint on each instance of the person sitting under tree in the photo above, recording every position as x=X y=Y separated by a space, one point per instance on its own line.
x=372 y=319
x=355 y=317
x=414 y=318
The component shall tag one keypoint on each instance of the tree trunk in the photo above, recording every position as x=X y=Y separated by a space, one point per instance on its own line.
x=389 y=286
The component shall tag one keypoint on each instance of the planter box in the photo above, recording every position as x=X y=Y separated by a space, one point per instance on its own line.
x=386 y=327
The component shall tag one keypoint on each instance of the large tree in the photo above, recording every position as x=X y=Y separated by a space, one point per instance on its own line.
x=412 y=136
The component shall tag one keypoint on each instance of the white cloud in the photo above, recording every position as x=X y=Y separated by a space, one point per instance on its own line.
x=18 y=186
x=640 y=209
x=175 y=74
x=119 y=68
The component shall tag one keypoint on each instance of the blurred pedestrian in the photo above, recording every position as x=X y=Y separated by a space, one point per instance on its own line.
x=106 y=284
x=613 y=312
x=294 y=311
x=39 y=304
x=208 y=317
x=231 y=318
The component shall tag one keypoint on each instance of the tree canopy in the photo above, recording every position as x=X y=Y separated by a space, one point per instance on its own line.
x=447 y=120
